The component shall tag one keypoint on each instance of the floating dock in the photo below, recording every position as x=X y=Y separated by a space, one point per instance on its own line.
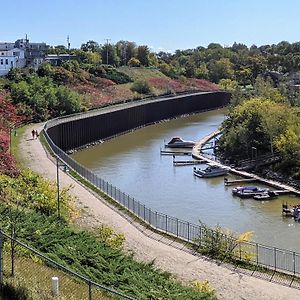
x=284 y=188
x=238 y=181
x=187 y=162
x=174 y=153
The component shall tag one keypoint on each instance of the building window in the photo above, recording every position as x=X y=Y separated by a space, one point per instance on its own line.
x=1 y=61
x=6 y=61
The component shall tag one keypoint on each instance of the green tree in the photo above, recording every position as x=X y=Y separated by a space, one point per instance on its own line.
x=143 y=55
x=90 y=46
x=109 y=55
x=220 y=69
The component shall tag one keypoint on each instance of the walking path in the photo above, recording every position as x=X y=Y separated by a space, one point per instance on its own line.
x=229 y=283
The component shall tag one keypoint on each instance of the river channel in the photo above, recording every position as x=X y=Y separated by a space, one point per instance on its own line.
x=133 y=163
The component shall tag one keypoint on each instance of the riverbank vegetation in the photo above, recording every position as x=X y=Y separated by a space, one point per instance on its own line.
x=264 y=121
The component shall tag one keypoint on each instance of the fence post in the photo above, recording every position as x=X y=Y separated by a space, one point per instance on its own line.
x=12 y=243
x=156 y=219
x=275 y=257
x=144 y=213
x=188 y=231
x=177 y=227
x=294 y=261
x=166 y=223
x=1 y=257
x=90 y=291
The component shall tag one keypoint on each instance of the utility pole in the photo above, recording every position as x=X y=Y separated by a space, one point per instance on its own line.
x=107 y=50
x=69 y=44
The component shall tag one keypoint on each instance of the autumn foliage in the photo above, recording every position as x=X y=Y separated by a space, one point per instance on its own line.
x=9 y=118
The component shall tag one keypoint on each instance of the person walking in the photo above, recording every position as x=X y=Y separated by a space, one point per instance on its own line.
x=33 y=134
x=36 y=134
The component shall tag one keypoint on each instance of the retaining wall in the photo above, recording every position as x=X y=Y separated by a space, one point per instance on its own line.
x=76 y=131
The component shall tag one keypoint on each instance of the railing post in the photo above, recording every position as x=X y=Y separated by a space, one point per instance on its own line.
x=90 y=291
x=1 y=257
x=166 y=223
x=188 y=231
x=294 y=263
x=12 y=244
x=156 y=219
x=275 y=262
x=177 y=227
x=257 y=253
x=144 y=213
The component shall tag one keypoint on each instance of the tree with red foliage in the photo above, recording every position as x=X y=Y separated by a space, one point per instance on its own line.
x=9 y=118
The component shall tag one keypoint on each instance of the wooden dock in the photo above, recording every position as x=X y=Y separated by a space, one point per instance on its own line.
x=238 y=181
x=174 y=153
x=187 y=162
x=283 y=188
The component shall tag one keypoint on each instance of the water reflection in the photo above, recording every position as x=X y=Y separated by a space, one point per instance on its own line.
x=133 y=163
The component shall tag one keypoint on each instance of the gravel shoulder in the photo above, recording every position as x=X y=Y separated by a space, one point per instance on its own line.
x=146 y=246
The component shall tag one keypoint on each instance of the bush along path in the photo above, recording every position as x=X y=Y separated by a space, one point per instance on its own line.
x=228 y=284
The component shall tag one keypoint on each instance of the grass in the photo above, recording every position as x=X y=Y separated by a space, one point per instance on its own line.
x=16 y=137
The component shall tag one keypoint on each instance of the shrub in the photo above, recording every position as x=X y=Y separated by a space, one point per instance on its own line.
x=134 y=62
x=141 y=87
x=116 y=76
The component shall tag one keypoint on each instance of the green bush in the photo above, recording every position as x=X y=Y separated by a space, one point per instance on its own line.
x=116 y=76
x=141 y=87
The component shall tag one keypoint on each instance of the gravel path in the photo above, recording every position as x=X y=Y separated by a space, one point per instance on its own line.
x=229 y=283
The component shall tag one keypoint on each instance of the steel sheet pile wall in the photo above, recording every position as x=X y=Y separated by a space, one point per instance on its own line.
x=81 y=131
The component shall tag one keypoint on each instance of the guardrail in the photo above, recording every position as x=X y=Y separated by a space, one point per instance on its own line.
x=251 y=253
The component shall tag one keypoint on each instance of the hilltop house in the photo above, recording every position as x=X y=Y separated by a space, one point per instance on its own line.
x=21 y=53
x=10 y=59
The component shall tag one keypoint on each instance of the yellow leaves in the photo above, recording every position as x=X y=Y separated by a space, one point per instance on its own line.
x=107 y=235
x=245 y=237
x=203 y=286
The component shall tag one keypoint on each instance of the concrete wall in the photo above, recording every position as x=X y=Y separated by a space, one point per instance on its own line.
x=73 y=133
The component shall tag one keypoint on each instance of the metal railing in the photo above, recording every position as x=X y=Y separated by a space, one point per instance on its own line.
x=252 y=253
x=19 y=261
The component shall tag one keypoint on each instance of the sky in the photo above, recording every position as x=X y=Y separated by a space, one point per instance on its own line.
x=163 y=25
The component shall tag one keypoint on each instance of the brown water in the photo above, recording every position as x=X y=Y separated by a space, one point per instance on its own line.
x=133 y=163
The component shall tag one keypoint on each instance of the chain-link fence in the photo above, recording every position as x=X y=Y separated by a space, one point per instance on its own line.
x=249 y=252
x=38 y=277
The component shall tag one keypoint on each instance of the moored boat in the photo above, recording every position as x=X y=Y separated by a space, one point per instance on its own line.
x=268 y=195
x=248 y=191
x=178 y=142
x=210 y=171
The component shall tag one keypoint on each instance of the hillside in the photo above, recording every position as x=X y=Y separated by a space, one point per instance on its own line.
x=105 y=91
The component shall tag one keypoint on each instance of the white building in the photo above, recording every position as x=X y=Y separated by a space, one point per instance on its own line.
x=10 y=59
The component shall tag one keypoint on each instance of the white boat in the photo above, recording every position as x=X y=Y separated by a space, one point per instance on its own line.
x=268 y=195
x=210 y=171
x=178 y=142
x=248 y=191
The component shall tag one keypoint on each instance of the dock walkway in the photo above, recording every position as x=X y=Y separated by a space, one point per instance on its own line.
x=196 y=153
